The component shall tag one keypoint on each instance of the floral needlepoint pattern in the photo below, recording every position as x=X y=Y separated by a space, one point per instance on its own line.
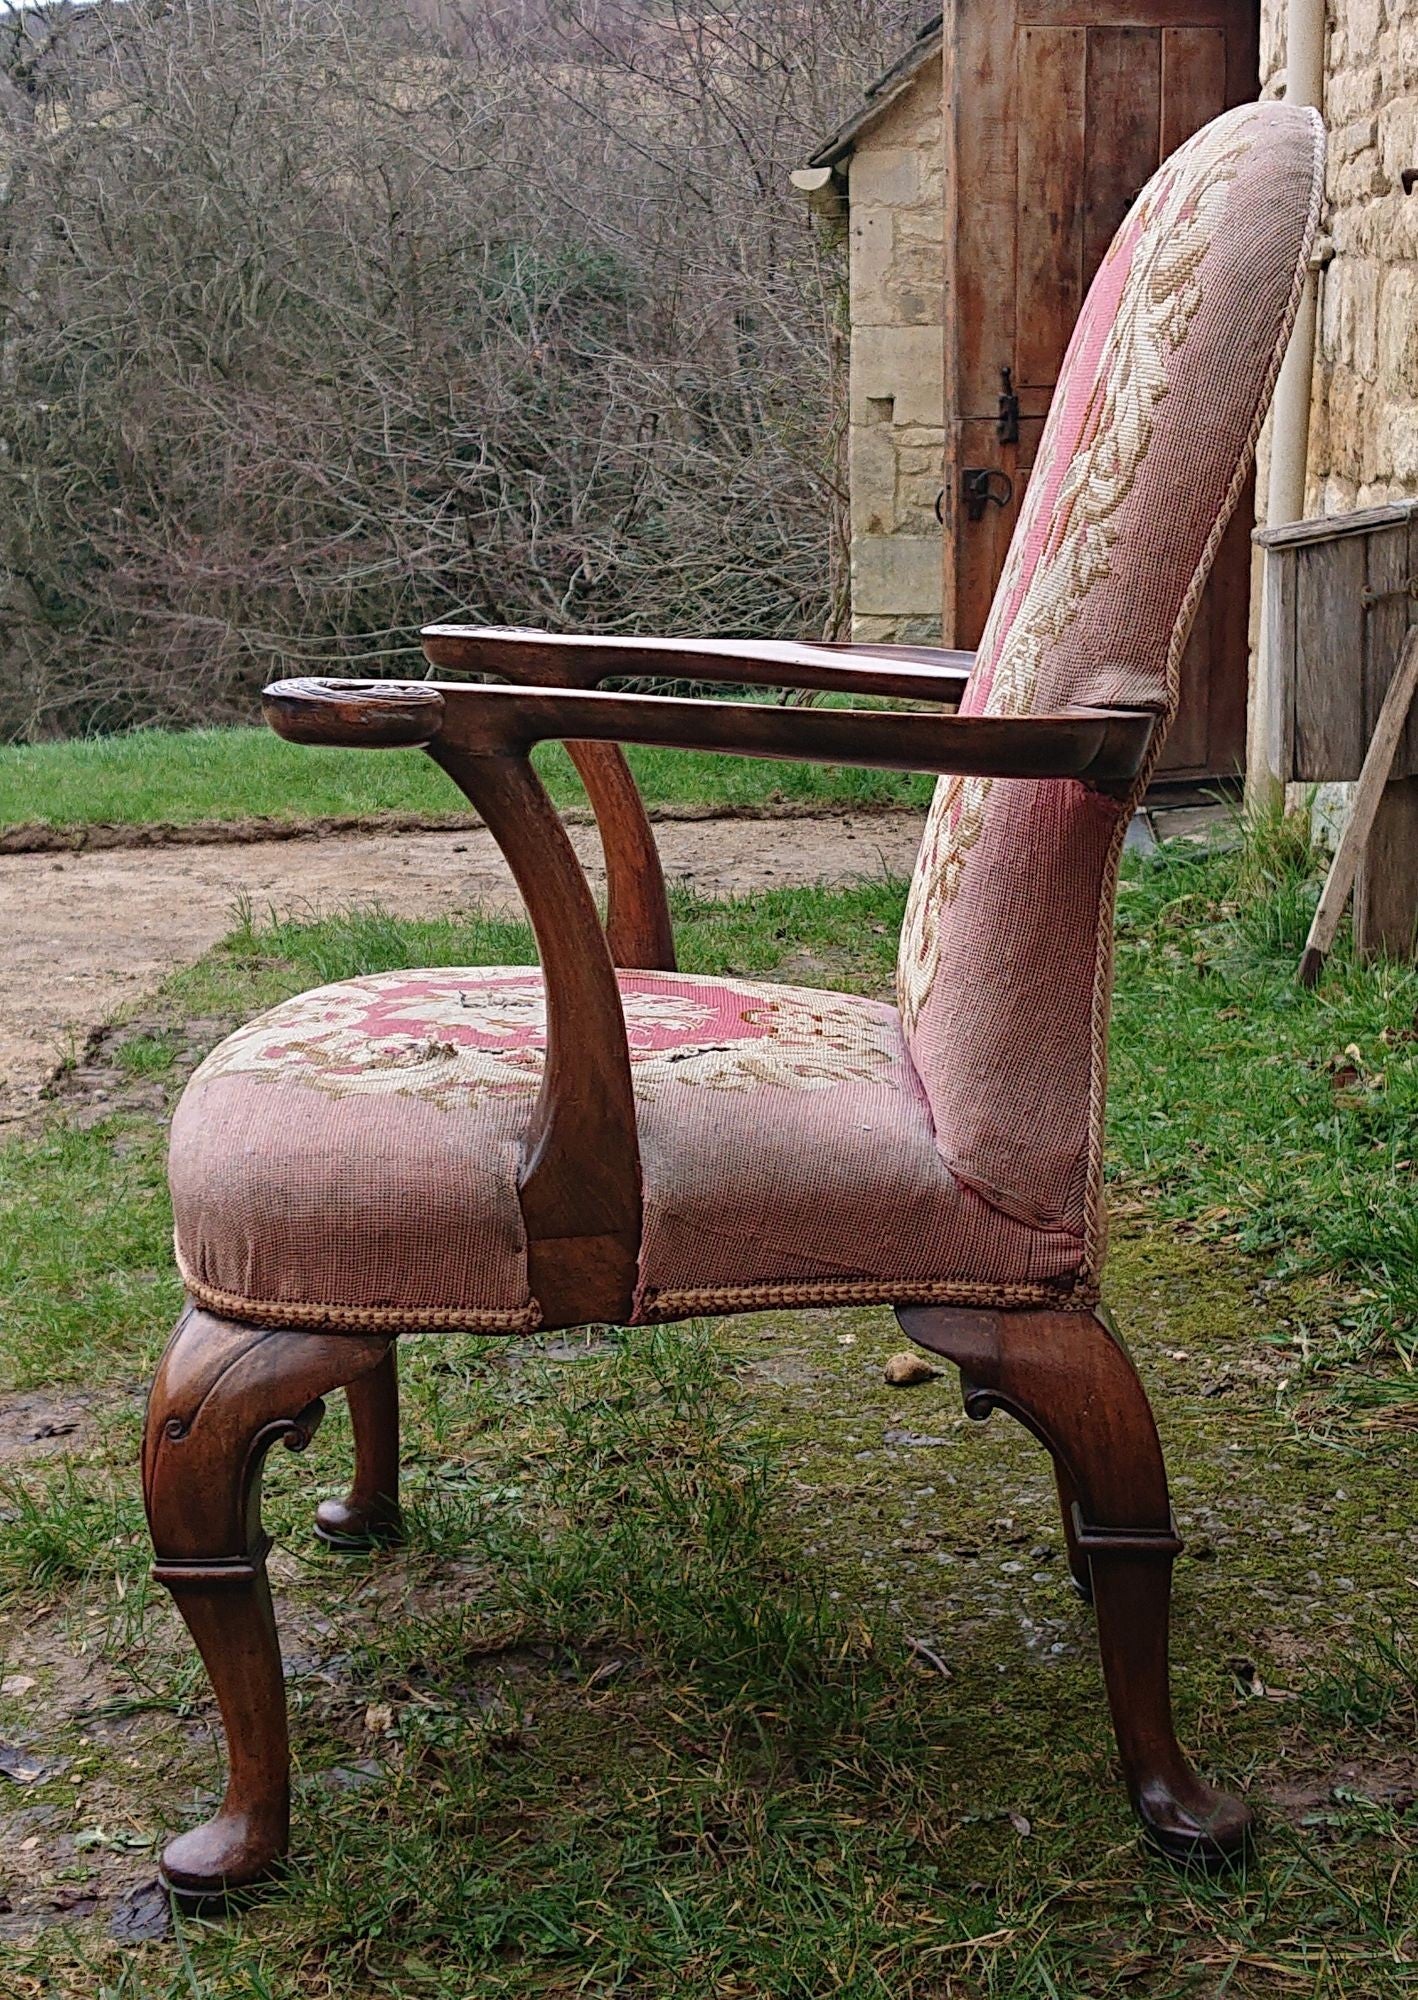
x=471 y=1031
x=1101 y=425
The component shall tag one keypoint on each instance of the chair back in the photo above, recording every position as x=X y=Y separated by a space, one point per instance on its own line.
x=1005 y=970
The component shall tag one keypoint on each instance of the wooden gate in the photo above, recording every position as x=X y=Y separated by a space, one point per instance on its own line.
x=1056 y=112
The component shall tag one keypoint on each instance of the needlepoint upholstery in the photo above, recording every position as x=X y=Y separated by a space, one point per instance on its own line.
x=1005 y=967
x=351 y=1158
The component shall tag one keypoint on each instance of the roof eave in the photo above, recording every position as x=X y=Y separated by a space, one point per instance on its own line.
x=880 y=96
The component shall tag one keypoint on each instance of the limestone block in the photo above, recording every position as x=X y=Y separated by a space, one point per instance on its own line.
x=920 y=631
x=912 y=437
x=906 y=363
x=1398 y=135
x=901 y=123
x=922 y=225
x=1397 y=227
x=1337 y=427
x=916 y=285
x=1401 y=429
x=1338 y=496
x=1363 y=22
x=1407 y=59
x=924 y=631
x=884 y=177
x=1352 y=94
x=871 y=258
x=896 y=576
x=871 y=475
x=874 y=631
x=1354 y=133
x=1350 y=316
x=914 y=507
x=1360 y=179
x=1398 y=331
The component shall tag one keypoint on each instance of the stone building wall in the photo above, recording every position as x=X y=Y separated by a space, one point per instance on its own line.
x=1364 y=418
x=896 y=439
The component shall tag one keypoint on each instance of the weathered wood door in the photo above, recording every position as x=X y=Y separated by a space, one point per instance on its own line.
x=1056 y=112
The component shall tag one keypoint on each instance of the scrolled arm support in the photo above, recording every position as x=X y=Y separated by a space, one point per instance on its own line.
x=580 y=1181
x=638 y=927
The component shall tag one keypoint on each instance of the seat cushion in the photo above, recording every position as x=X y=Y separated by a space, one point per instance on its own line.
x=350 y=1158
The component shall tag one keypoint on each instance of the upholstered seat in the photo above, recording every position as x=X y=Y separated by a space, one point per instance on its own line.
x=350 y=1158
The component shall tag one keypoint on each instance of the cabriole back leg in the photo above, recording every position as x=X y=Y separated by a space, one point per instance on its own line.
x=369 y=1515
x=223 y=1395
x=1070 y=1381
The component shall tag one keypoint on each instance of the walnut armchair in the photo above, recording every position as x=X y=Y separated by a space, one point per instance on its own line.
x=502 y=1149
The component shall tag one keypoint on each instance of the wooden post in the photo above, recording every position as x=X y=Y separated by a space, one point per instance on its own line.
x=1379 y=846
x=1386 y=893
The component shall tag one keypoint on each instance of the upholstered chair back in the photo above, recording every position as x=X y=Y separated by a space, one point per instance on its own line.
x=1006 y=954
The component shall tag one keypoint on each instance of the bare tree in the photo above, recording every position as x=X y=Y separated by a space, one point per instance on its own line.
x=320 y=318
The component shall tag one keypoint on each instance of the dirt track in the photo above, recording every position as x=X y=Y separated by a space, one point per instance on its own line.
x=89 y=933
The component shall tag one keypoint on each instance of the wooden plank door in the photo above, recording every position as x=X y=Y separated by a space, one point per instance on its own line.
x=1056 y=112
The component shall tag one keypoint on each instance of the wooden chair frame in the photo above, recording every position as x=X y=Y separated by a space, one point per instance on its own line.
x=226 y=1392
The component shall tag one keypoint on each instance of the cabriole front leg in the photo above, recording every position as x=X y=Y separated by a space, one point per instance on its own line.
x=223 y=1395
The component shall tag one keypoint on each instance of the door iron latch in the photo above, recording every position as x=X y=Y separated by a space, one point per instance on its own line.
x=1008 y=421
x=979 y=485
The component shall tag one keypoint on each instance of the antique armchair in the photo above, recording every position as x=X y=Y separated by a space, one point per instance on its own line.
x=498 y=1149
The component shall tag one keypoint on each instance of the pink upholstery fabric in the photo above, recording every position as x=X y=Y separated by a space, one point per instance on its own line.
x=350 y=1157
x=1006 y=954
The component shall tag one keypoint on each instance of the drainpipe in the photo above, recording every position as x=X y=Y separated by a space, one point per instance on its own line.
x=1290 y=412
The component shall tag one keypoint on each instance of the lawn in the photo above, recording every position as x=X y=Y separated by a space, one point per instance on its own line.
x=177 y=777
x=715 y=1667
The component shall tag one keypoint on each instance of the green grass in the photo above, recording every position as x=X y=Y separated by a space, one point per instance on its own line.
x=177 y=777
x=636 y=1712
x=1252 y=1111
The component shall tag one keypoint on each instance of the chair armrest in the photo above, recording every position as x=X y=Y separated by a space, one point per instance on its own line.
x=1102 y=748
x=372 y=715
x=579 y=660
